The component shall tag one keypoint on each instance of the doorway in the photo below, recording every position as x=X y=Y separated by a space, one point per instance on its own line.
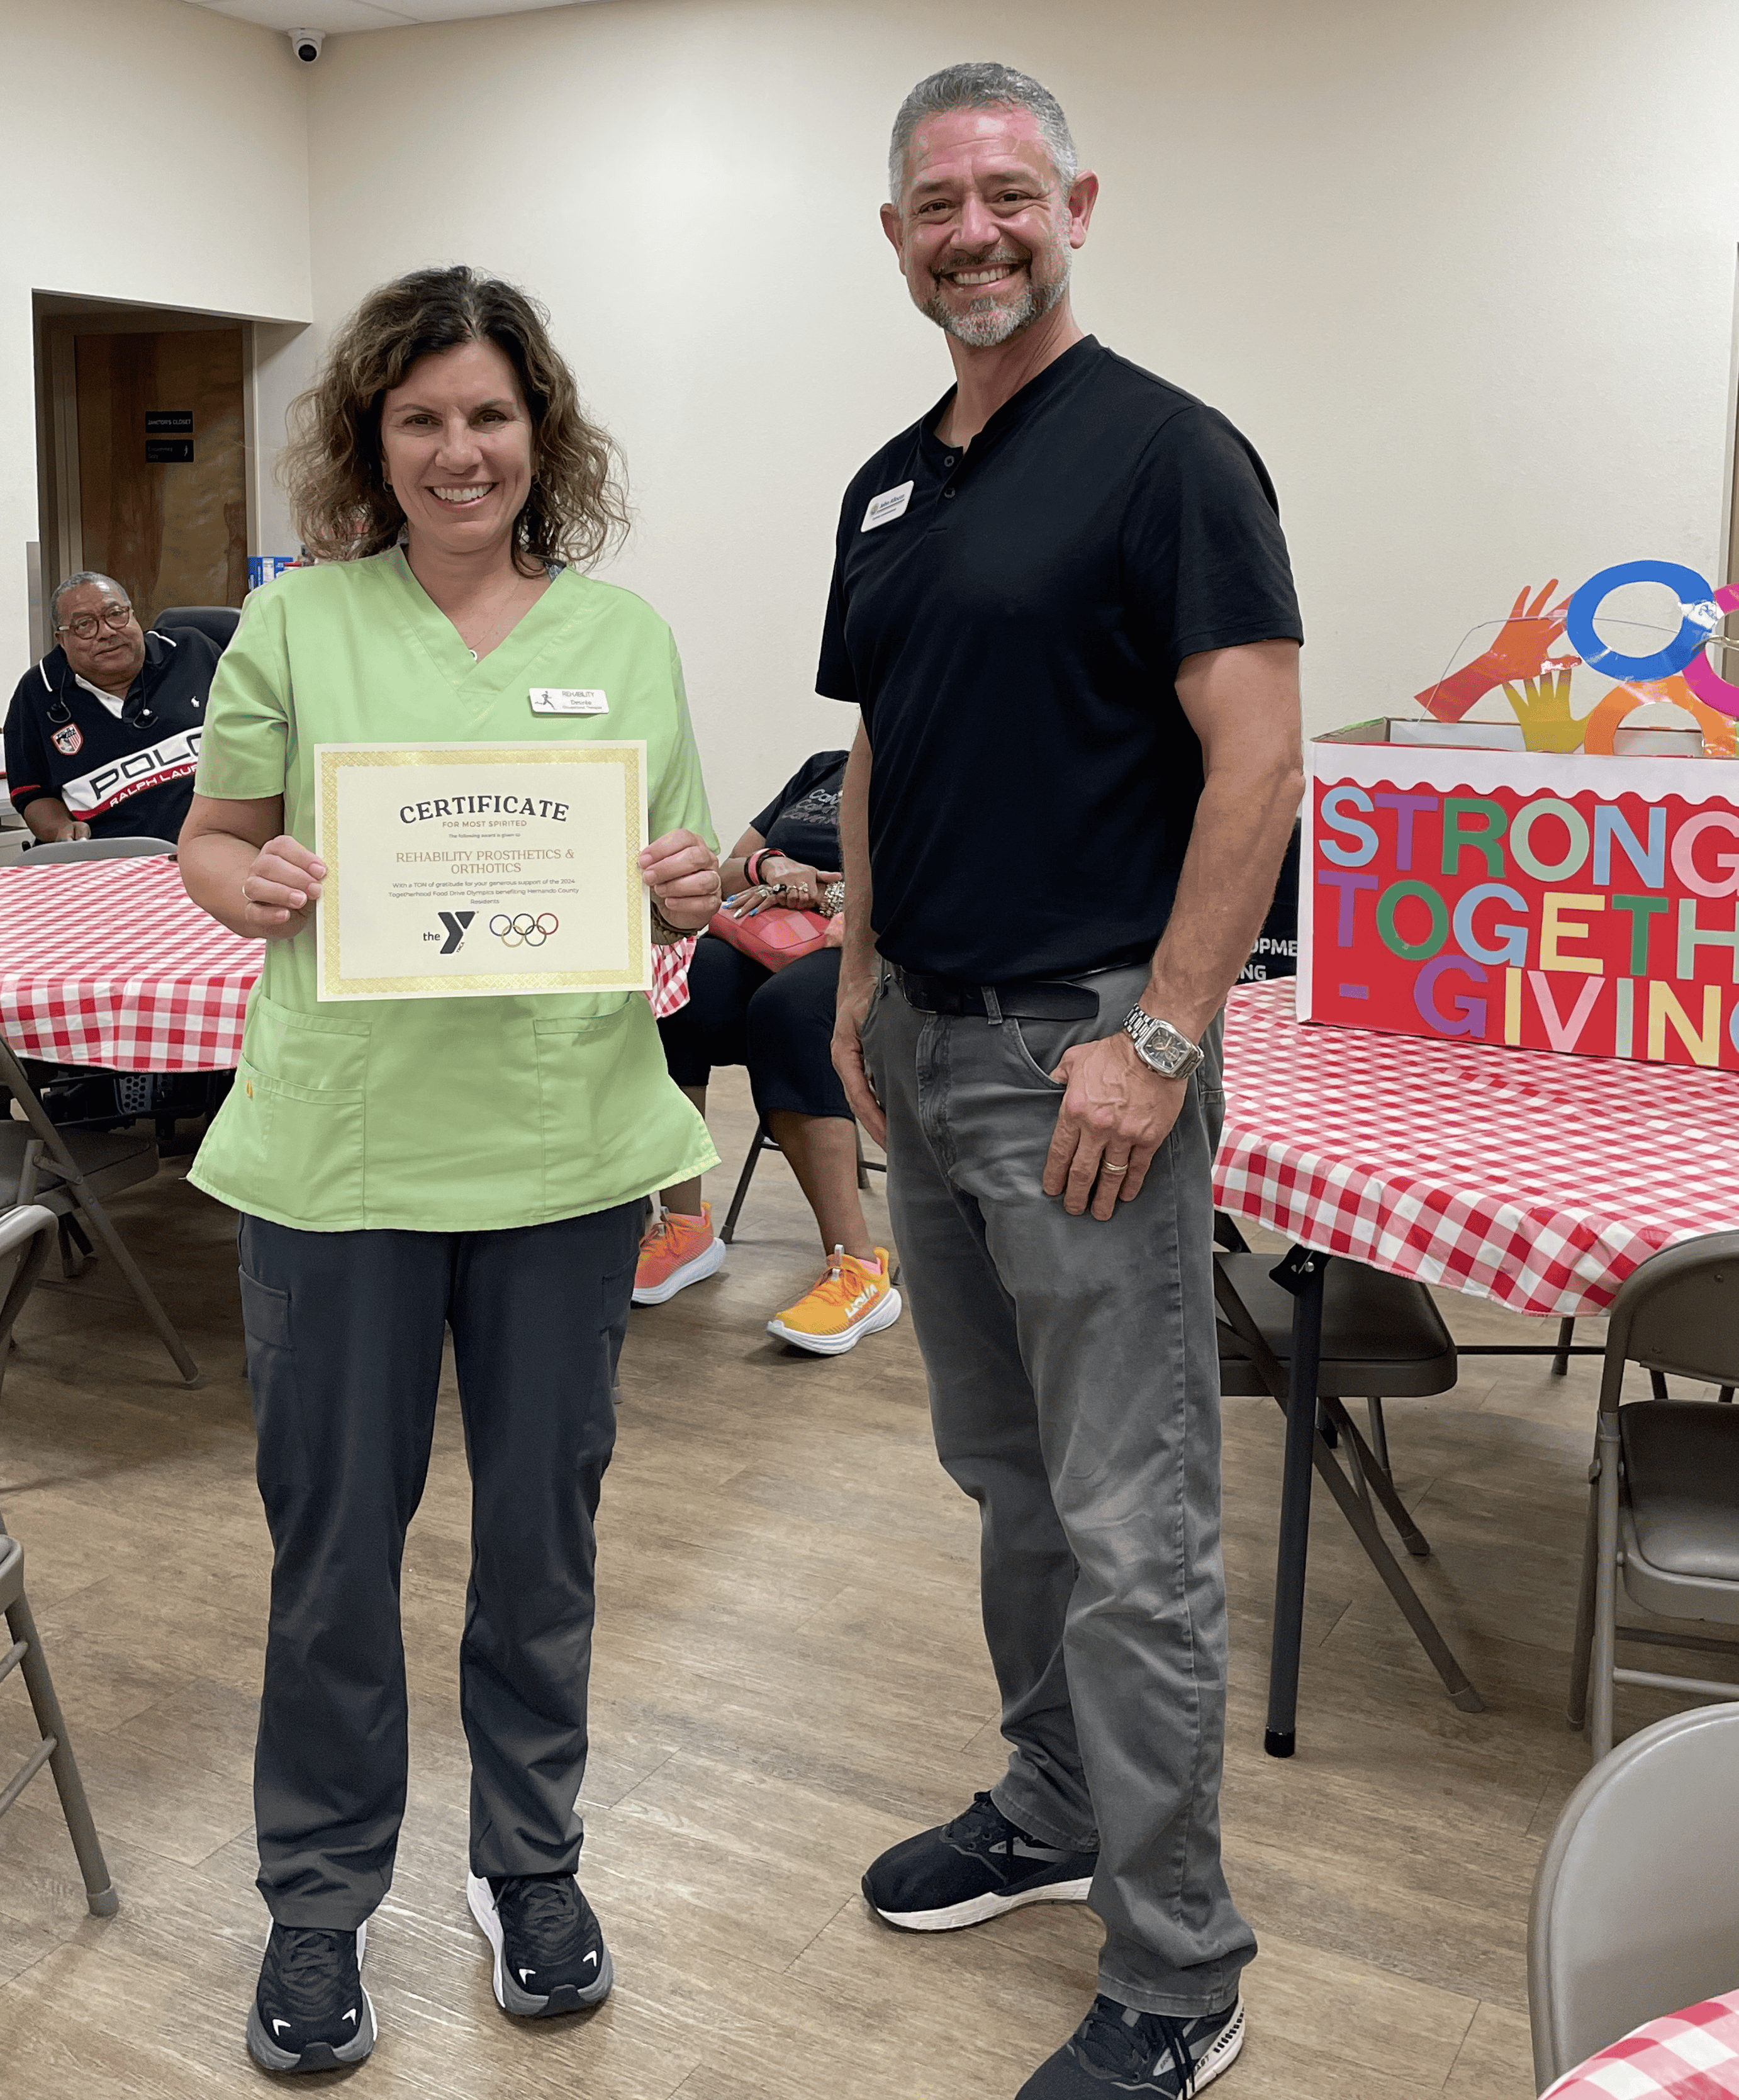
x=162 y=494
x=142 y=446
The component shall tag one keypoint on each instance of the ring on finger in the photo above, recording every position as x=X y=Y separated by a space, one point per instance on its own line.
x=1107 y=1167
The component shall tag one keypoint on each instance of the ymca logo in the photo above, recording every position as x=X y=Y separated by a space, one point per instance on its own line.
x=453 y=925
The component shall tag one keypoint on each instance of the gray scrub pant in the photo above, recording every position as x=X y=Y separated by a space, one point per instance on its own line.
x=344 y=1333
x=1074 y=1390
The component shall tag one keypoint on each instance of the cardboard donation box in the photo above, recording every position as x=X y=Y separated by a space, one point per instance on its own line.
x=1491 y=882
x=1558 y=901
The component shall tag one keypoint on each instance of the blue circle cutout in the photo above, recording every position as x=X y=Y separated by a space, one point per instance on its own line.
x=1685 y=585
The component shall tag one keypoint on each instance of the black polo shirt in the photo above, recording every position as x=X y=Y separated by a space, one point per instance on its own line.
x=130 y=776
x=1010 y=620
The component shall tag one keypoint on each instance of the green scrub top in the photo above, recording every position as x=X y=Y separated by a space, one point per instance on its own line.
x=428 y=1114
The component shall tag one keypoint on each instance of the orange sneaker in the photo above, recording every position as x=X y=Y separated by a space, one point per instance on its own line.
x=676 y=1252
x=853 y=1298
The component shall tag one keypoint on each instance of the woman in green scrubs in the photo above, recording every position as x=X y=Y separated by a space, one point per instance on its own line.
x=406 y=1165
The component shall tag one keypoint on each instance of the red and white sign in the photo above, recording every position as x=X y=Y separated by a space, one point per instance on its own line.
x=1554 y=901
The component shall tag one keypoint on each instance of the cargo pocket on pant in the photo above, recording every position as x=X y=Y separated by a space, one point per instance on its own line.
x=281 y=1452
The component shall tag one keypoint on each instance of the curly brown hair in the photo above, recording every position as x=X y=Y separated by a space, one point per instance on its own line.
x=331 y=468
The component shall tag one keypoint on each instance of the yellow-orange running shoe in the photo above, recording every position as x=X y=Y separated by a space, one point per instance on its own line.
x=853 y=1298
x=676 y=1252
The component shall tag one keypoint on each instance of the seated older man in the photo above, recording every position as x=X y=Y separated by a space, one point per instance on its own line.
x=103 y=735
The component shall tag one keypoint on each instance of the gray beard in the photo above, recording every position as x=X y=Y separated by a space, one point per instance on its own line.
x=985 y=324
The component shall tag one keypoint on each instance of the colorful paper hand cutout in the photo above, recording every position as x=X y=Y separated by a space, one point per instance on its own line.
x=1522 y=650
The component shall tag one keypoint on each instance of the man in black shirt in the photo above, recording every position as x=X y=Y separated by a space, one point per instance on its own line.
x=1062 y=603
x=103 y=735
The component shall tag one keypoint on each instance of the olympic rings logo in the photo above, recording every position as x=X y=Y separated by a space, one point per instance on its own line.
x=522 y=930
x=1701 y=606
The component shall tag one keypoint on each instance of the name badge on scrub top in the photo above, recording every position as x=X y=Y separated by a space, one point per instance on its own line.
x=884 y=509
x=568 y=700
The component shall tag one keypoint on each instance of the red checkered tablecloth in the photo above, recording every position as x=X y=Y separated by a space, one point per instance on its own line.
x=107 y=962
x=1539 y=1180
x=1692 y=2055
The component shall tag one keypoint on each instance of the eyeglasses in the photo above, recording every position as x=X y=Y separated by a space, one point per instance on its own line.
x=86 y=623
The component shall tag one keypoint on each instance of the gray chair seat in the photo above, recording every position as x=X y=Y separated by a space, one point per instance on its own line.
x=1678 y=1510
x=1383 y=1336
x=1681 y=1468
x=109 y=1161
x=65 y=850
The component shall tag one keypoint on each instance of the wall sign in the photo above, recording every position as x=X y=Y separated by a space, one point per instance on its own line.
x=168 y=419
x=169 y=452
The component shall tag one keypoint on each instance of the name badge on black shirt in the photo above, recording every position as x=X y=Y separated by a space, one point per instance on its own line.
x=890 y=505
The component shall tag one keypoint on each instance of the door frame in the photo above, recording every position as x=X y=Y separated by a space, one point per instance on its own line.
x=58 y=318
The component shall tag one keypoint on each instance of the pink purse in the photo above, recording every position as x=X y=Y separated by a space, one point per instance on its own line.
x=774 y=936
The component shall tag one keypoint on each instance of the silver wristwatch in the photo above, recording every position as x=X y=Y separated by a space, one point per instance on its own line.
x=1162 y=1048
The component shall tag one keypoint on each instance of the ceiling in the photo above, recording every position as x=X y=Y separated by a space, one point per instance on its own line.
x=336 y=16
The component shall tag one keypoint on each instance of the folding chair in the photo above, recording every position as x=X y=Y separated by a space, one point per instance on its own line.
x=1635 y=1911
x=29 y=1232
x=1374 y=1334
x=69 y=1173
x=1663 y=1508
x=764 y=1141
x=73 y=849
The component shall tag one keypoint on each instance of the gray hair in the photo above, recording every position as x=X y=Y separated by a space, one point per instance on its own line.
x=981 y=84
x=71 y=583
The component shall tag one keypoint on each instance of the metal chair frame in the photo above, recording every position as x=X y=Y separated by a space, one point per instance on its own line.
x=1666 y=1345
x=764 y=1141
x=1357 y=1490
x=30 y=1230
x=52 y=1176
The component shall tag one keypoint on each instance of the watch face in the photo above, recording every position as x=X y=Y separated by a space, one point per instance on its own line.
x=1160 y=1047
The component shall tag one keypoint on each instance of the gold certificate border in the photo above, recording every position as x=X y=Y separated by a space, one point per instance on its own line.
x=330 y=760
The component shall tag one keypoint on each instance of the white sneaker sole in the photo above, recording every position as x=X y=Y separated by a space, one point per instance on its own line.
x=1223 y=2054
x=266 y=2053
x=976 y=1910
x=508 y=1996
x=883 y=1315
x=704 y=1265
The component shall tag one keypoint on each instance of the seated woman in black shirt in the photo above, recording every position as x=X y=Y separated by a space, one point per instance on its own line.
x=780 y=1024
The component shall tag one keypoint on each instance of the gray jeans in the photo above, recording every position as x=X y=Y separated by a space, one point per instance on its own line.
x=1074 y=1390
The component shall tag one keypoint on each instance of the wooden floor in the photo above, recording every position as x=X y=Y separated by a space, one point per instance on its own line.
x=790 y=1676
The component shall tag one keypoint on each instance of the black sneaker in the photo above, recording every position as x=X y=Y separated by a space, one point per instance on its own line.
x=1117 y=2050
x=550 y=1955
x=976 y=1867
x=310 y=2012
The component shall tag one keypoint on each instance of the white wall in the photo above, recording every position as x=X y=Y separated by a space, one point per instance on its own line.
x=1464 y=271
x=151 y=152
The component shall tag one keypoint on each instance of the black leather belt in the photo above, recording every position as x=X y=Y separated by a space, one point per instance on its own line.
x=1024 y=999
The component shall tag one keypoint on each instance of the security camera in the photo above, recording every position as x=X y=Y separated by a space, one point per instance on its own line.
x=306 y=43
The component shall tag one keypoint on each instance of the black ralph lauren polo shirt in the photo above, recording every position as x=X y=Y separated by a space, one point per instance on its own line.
x=126 y=776
x=1011 y=619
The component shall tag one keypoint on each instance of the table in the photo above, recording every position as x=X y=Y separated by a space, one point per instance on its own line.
x=107 y=962
x=1537 y=1180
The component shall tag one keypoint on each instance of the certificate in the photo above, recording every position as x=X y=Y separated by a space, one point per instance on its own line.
x=470 y=870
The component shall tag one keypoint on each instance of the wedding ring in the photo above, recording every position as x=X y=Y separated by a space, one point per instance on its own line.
x=1106 y=1167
